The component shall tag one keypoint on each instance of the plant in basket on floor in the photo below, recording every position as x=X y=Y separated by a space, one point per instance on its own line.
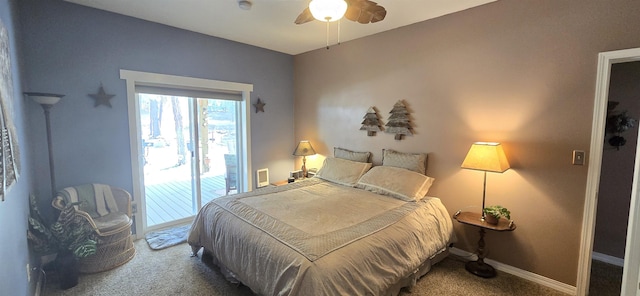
x=70 y=237
x=492 y=214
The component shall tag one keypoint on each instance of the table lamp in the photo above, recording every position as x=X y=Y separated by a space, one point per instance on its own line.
x=486 y=157
x=304 y=149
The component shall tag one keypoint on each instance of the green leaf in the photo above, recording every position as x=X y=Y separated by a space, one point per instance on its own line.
x=70 y=232
x=87 y=248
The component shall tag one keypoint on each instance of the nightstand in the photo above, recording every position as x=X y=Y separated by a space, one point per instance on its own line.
x=478 y=267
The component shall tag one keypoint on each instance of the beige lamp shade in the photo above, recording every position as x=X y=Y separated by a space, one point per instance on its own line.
x=485 y=156
x=44 y=98
x=304 y=149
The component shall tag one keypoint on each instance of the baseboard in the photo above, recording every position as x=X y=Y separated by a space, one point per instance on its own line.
x=530 y=276
x=607 y=259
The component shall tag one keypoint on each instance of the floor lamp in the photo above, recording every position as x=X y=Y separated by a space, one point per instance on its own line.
x=47 y=101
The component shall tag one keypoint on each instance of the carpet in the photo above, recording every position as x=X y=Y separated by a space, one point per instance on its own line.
x=173 y=272
x=165 y=238
x=606 y=279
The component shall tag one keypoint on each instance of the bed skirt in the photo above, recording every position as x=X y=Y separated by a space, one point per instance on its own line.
x=408 y=281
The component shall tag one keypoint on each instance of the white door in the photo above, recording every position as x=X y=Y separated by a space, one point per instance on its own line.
x=631 y=270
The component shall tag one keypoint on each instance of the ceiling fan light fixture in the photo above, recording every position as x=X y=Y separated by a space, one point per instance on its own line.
x=328 y=10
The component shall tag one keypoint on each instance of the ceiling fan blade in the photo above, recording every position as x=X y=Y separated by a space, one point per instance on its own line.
x=364 y=11
x=304 y=17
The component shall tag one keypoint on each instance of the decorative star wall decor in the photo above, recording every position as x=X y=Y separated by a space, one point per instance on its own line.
x=259 y=106
x=102 y=98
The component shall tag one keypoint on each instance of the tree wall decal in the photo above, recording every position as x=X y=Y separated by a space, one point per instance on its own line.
x=371 y=122
x=399 y=122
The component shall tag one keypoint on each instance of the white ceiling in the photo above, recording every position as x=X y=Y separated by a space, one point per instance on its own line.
x=269 y=23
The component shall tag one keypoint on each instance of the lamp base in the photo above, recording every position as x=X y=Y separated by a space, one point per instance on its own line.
x=480 y=269
x=304 y=167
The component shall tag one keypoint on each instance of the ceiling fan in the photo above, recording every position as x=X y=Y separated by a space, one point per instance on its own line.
x=361 y=11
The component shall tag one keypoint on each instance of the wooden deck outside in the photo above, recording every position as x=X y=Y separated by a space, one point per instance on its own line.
x=172 y=200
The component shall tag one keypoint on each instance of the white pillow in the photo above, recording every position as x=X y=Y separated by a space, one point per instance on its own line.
x=396 y=182
x=342 y=171
x=416 y=162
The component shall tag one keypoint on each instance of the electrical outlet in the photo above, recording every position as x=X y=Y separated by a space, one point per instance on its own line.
x=134 y=208
x=28 y=273
x=578 y=157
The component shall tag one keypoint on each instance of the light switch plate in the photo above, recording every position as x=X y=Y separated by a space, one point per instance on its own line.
x=578 y=157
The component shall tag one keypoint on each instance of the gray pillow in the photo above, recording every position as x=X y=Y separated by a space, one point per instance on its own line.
x=416 y=162
x=351 y=155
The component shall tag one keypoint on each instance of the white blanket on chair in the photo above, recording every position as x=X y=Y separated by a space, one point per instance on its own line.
x=101 y=202
x=104 y=199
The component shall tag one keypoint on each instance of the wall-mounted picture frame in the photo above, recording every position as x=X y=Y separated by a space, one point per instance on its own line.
x=296 y=174
x=262 y=177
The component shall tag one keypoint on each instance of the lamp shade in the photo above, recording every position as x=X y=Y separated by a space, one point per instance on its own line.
x=486 y=156
x=44 y=98
x=304 y=149
x=328 y=10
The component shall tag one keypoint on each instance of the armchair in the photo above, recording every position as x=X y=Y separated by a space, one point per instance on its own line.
x=108 y=210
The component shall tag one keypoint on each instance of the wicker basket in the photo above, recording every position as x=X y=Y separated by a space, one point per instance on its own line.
x=114 y=238
x=115 y=244
x=112 y=251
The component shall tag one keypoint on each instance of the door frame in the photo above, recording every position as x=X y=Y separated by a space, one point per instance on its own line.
x=632 y=257
x=134 y=78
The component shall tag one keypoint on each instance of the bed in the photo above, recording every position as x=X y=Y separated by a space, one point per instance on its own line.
x=351 y=230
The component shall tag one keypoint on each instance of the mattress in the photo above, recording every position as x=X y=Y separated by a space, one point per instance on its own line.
x=320 y=238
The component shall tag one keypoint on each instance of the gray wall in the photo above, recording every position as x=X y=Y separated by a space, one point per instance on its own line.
x=71 y=49
x=15 y=209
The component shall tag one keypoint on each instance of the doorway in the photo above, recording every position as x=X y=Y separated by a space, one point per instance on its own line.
x=180 y=128
x=616 y=178
x=632 y=257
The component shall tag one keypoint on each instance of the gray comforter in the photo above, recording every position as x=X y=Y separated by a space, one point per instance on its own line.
x=319 y=238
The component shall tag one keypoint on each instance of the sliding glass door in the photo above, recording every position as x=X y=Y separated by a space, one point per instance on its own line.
x=185 y=142
x=189 y=141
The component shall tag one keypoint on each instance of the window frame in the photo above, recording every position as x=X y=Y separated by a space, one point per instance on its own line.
x=137 y=78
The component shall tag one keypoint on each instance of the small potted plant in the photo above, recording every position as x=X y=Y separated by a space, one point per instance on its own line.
x=492 y=214
x=70 y=237
x=617 y=124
